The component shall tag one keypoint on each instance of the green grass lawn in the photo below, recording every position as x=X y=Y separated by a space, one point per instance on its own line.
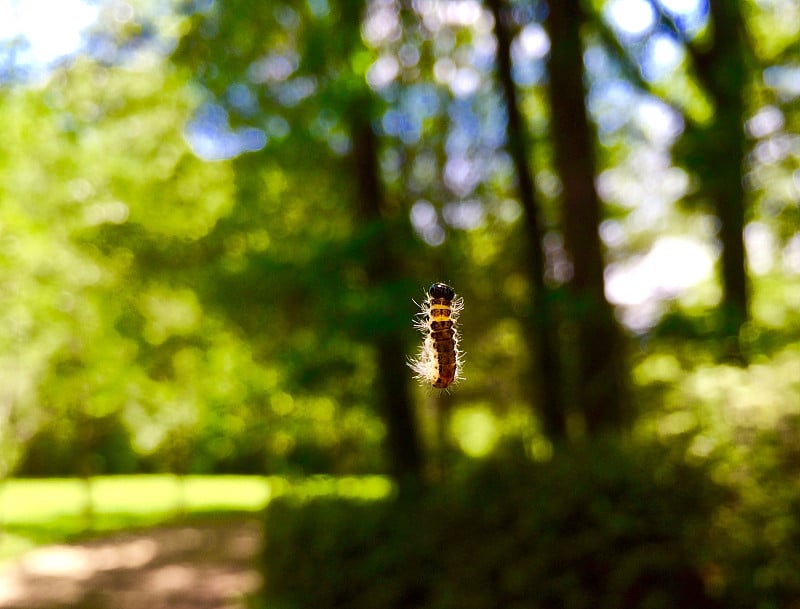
x=34 y=512
x=40 y=511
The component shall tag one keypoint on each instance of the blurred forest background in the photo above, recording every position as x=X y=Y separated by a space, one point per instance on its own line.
x=215 y=216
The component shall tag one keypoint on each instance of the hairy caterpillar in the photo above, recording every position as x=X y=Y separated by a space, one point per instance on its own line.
x=439 y=361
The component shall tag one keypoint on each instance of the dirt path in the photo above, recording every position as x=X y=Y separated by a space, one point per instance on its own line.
x=197 y=566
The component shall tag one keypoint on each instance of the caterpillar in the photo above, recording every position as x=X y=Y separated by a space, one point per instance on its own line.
x=439 y=361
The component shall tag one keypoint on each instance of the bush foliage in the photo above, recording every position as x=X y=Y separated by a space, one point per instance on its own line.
x=600 y=526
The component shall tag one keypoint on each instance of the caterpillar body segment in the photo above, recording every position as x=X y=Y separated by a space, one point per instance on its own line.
x=439 y=361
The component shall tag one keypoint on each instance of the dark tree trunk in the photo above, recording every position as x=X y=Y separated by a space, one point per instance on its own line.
x=403 y=444
x=382 y=267
x=600 y=386
x=721 y=68
x=543 y=337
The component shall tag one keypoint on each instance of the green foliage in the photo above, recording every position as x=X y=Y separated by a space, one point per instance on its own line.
x=52 y=450
x=602 y=526
x=159 y=314
x=743 y=422
x=163 y=312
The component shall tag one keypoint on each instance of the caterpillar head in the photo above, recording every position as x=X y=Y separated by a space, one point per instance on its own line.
x=442 y=290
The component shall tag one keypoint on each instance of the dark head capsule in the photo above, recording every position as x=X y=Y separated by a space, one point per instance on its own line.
x=442 y=290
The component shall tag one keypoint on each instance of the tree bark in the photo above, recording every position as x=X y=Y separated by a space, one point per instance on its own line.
x=600 y=385
x=722 y=69
x=403 y=445
x=542 y=328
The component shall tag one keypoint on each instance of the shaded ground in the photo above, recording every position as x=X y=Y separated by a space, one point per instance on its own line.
x=196 y=566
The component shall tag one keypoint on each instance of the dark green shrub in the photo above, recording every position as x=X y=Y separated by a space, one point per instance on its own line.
x=756 y=534
x=96 y=445
x=603 y=526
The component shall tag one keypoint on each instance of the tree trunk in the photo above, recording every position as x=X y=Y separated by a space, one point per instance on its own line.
x=600 y=385
x=403 y=445
x=542 y=329
x=721 y=69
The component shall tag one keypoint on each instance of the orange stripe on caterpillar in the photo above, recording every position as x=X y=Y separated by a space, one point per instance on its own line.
x=440 y=361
